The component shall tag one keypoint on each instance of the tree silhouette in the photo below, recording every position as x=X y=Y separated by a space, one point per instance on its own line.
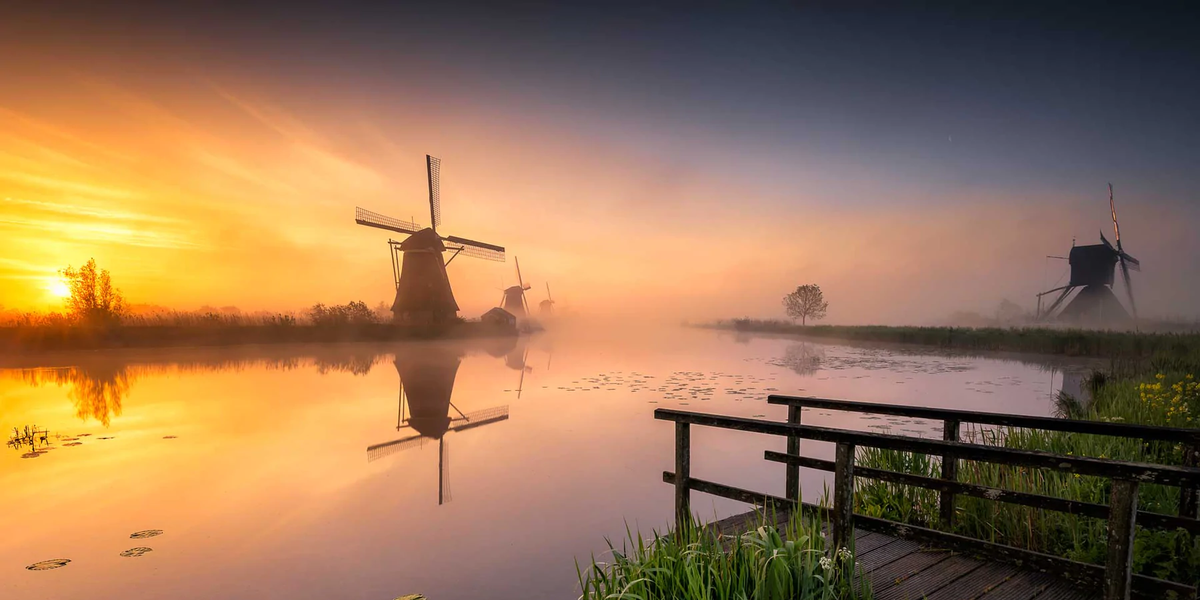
x=807 y=302
x=93 y=299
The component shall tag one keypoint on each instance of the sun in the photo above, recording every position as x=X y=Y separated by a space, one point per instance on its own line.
x=59 y=289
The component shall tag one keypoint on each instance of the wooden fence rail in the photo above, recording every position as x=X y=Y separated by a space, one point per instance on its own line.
x=1116 y=578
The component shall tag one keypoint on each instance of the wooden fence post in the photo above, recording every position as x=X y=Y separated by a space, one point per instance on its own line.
x=792 y=483
x=1187 y=495
x=683 y=472
x=1122 y=524
x=949 y=473
x=843 y=496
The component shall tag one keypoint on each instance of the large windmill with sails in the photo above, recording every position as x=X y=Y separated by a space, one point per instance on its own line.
x=1093 y=273
x=423 y=293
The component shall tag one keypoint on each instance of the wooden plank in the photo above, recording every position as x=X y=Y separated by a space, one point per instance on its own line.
x=1143 y=472
x=870 y=541
x=1061 y=590
x=898 y=571
x=1087 y=509
x=978 y=582
x=1024 y=585
x=843 y=496
x=791 y=483
x=930 y=580
x=949 y=474
x=1122 y=525
x=1145 y=432
x=683 y=471
x=886 y=554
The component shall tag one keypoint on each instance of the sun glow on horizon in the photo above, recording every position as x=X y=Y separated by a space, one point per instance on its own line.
x=59 y=289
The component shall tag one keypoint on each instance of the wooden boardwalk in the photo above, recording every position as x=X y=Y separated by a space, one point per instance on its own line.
x=904 y=570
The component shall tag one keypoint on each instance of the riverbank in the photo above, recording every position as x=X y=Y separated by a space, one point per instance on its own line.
x=1115 y=345
x=52 y=338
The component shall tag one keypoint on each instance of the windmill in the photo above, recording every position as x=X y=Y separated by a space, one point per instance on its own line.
x=514 y=296
x=426 y=410
x=518 y=360
x=547 y=306
x=423 y=293
x=1093 y=268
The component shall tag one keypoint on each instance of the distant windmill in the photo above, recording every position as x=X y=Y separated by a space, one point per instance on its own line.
x=1093 y=268
x=547 y=306
x=426 y=410
x=514 y=296
x=423 y=293
x=518 y=360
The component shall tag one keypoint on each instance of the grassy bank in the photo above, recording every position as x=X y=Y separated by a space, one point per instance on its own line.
x=1039 y=340
x=693 y=562
x=1170 y=398
x=60 y=337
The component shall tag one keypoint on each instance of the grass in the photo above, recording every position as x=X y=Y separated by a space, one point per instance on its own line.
x=1165 y=398
x=695 y=563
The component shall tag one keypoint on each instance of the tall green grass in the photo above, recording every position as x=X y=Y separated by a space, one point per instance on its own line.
x=696 y=563
x=1165 y=399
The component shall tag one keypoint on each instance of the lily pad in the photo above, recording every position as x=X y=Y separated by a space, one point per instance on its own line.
x=145 y=533
x=46 y=565
x=136 y=552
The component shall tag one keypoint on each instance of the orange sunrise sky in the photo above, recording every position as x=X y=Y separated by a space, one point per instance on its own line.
x=224 y=168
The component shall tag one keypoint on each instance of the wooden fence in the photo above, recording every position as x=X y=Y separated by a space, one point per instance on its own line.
x=1115 y=578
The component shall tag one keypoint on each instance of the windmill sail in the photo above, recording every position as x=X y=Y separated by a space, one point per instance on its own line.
x=433 y=167
x=363 y=216
x=475 y=249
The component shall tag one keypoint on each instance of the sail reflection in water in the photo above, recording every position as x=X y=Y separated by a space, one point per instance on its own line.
x=425 y=407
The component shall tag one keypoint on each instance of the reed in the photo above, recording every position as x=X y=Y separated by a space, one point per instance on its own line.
x=1164 y=398
x=696 y=563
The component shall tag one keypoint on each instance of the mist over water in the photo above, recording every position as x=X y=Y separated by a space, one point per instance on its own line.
x=299 y=471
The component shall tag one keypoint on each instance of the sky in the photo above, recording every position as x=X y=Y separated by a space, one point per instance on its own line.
x=687 y=164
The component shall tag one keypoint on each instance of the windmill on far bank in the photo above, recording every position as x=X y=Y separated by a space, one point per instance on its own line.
x=423 y=293
x=546 y=307
x=514 y=296
x=1093 y=268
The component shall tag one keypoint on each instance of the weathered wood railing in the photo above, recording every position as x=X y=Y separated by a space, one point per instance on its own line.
x=1115 y=578
x=951 y=420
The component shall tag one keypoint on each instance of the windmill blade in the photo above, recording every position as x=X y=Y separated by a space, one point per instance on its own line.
x=480 y=418
x=1112 y=206
x=476 y=249
x=548 y=296
x=1107 y=243
x=433 y=167
x=443 y=471
x=1129 y=289
x=520 y=281
x=363 y=216
x=379 y=451
x=1134 y=263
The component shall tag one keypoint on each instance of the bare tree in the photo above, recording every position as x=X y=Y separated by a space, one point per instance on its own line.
x=807 y=302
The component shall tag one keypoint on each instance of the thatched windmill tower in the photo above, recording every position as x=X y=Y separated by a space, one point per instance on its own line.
x=423 y=293
x=1093 y=268
x=514 y=296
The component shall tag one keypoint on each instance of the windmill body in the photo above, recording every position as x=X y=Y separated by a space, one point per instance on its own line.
x=423 y=293
x=1093 y=273
x=513 y=300
x=546 y=307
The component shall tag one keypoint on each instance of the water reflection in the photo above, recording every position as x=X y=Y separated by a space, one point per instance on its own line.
x=803 y=358
x=425 y=407
x=96 y=390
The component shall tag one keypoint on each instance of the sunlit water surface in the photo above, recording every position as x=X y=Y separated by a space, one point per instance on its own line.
x=306 y=472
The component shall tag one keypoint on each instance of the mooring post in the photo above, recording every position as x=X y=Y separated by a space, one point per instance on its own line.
x=843 y=496
x=1122 y=524
x=792 y=483
x=949 y=473
x=1187 y=494
x=683 y=472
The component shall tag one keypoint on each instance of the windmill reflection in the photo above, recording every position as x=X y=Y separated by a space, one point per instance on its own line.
x=425 y=407
x=518 y=360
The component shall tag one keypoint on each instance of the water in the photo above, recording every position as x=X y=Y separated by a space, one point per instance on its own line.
x=282 y=472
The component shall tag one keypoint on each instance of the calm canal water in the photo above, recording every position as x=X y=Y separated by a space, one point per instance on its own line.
x=312 y=472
